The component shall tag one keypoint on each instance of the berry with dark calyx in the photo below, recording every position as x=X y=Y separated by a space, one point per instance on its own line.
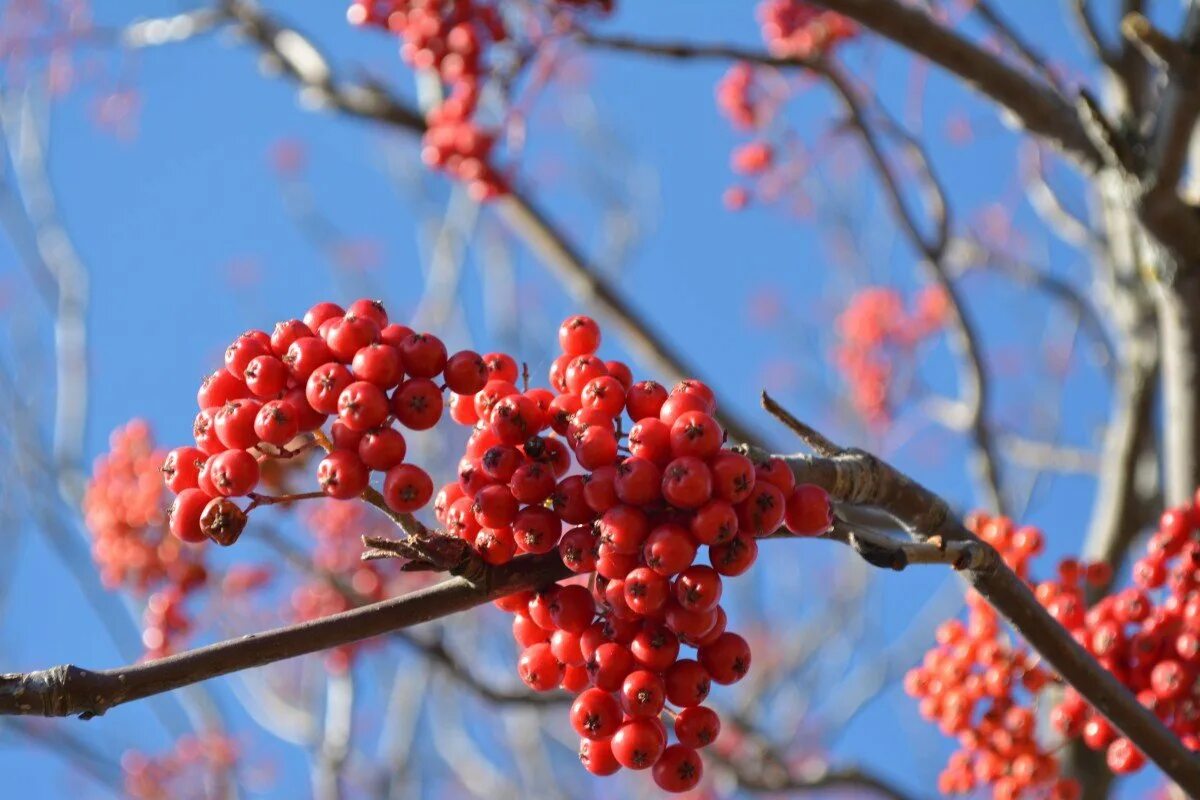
x=465 y=372
x=595 y=715
x=181 y=468
x=362 y=405
x=417 y=404
x=679 y=769
x=277 y=422
x=342 y=475
x=407 y=488
x=727 y=660
x=378 y=364
x=639 y=743
x=382 y=448
x=697 y=727
x=423 y=354
x=579 y=336
x=233 y=473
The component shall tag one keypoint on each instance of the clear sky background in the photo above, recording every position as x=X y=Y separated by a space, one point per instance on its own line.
x=185 y=227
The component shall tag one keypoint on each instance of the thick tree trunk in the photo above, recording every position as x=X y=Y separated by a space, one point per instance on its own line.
x=1178 y=307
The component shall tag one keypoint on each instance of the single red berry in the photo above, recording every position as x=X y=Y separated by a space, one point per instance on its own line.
x=362 y=406
x=536 y=529
x=581 y=369
x=185 y=514
x=325 y=385
x=695 y=433
x=604 y=394
x=687 y=683
x=646 y=591
x=644 y=400
x=1123 y=758
x=181 y=468
x=643 y=694
x=234 y=473
x=655 y=647
x=465 y=372
x=578 y=549
x=808 y=511
x=624 y=529
x=762 y=512
x=687 y=482
x=306 y=354
x=407 y=488
x=639 y=743
x=308 y=418
x=266 y=376
x=650 y=439
x=342 y=475
x=669 y=549
x=235 y=423
x=322 y=312
x=727 y=660
x=539 y=669
x=735 y=556
x=777 y=472
x=501 y=366
x=491 y=394
x=378 y=364
x=527 y=633
x=204 y=431
x=569 y=503
x=715 y=522
x=219 y=388
x=287 y=332
x=638 y=481
x=621 y=371
x=698 y=588
x=243 y=350
x=595 y=715
x=515 y=418
x=423 y=354
x=417 y=404
x=676 y=405
x=532 y=483
x=697 y=727
x=276 y=423
x=462 y=409
x=371 y=309
x=597 y=758
x=382 y=448
x=678 y=770
x=579 y=336
x=609 y=665
x=494 y=506
x=733 y=476
x=565 y=646
x=350 y=334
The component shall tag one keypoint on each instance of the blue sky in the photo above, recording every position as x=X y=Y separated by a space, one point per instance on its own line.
x=188 y=239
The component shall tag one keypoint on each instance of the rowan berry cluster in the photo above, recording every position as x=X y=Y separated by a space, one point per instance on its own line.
x=794 y=28
x=751 y=97
x=979 y=686
x=195 y=762
x=122 y=508
x=876 y=335
x=454 y=41
x=1147 y=635
x=638 y=506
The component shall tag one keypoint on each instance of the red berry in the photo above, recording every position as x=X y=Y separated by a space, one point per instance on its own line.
x=378 y=364
x=762 y=512
x=655 y=647
x=465 y=372
x=578 y=549
x=539 y=669
x=371 y=309
x=382 y=448
x=276 y=423
x=407 y=488
x=777 y=472
x=698 y=588
x=727 y=660
x=579 y=336
x=695 y=433
x=219 y=388
x=243 y=350
x=185 y=515
x=417 y=404
x=643 y=694
x=638 y=481
x=532 y=483
x=233 y=473
x=808 y=511
x=687 y=483
x=639 y=743
x=322 y=312
x=362 y=406
x=181 y=468
x=697 y=727
x=624 y=529
x=325 y=386
x=306 y=354
x=733 y=476
x=266 y=376
x=350 y=334
x=609 y=665
x=235 y=423
x=536 y=529
x=644 y=400
x=651 y=439
x=735 y=556
x=646 y=591
x=687 y=683
x=287 y=332
x=669 y=549
x=595 y=715
x=597 y=758
x=679 y=769
x=423 y=354
x=342 y=475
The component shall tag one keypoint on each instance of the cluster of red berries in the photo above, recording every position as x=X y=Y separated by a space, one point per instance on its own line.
x=452 y=40
x=875 y=332
x=352 y=363
x=794 y=28
x=122 y=508
x=751 y=97
x=646 y=505
x=1147 y=635
x=979 y=686
x=195 y=761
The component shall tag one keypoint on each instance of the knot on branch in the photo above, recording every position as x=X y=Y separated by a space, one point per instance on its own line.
x=432 y=551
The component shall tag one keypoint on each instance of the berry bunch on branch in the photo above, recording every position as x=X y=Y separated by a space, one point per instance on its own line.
x=544 y=471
